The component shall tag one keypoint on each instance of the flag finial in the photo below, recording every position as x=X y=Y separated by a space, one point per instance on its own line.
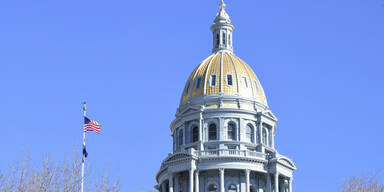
x=84 y=105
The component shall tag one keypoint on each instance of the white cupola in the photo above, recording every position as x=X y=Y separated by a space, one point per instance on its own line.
x=222 y=29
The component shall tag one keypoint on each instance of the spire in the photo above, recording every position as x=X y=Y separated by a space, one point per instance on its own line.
x=222 y=5
x=222 y=29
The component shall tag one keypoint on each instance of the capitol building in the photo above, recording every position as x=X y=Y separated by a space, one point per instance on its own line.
x=223 y=131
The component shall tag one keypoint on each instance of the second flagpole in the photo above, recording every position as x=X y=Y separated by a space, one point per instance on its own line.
x=83 y=159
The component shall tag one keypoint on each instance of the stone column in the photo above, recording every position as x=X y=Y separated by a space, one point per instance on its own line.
x=267 y=138
x=282 y=186
x=255 y=132
x=277 y=181
x=260 y=132
x=273 y=136
x=247 y=183
x=185 y=134
x=201 y=136
x=290 y=184
x=177 y=183
x=269 y=187
x=222 y=187
x=191 y=172
x=220 y=129
x=163 y=187
x=197 y=185
x=170 y=180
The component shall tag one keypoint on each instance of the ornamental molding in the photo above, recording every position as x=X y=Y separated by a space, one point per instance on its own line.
x=233 y=159
x=217 y=98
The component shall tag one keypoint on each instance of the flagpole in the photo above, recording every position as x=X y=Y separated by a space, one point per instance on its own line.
x=83 y=160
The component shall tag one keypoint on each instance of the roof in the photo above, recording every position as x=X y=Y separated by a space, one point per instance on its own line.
x=211 y=78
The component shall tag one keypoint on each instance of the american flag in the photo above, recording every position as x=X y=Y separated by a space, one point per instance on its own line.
x=91 y=125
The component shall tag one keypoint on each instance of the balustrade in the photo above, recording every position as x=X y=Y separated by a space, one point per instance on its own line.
x=230 y=152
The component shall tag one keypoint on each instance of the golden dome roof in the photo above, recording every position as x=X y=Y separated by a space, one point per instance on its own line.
x=223 y=73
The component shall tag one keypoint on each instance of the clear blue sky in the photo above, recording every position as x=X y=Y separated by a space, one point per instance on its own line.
x=320 y=63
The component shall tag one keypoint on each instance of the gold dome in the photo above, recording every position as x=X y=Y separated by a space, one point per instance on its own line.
x=223 y=73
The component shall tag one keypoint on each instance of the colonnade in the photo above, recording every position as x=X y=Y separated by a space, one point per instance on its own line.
x=194 y=182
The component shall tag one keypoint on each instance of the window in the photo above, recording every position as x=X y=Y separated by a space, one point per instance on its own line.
x=232 y=147
x=213 y=80
x=229 y=79
x=267 y=135
x=251 y=189
x=256 y=85
x=195 y=134
x=217 y=40
x=245 y=83
x=264 y=137
x=232 y=188
x=231 y=131
x=181 y=137
x=198 y=82
x=224 y=38
x=211 y=147
x=212 y=187
x=249 y=133
x=212 y=132
x=187 y=87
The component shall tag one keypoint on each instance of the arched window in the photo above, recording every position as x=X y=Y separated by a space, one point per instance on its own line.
x=212 y=135
x=195 y=134
x=181 y=137
x=217 y=40
x=212 y=188
x=264 y=137
x=231 y=131
x=249 y=133
x=232 y=188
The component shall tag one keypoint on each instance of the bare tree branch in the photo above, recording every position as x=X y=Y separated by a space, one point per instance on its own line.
x=366 y=183
x=52 y=177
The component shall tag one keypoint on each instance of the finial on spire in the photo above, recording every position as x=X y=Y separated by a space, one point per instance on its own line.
x=222 y=5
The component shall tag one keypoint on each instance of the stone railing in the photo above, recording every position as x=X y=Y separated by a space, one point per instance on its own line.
x=230 y=153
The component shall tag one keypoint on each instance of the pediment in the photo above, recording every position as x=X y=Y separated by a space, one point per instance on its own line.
x=287 y=162
x=269 y=114
x=189 y=110
x=177 y=156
